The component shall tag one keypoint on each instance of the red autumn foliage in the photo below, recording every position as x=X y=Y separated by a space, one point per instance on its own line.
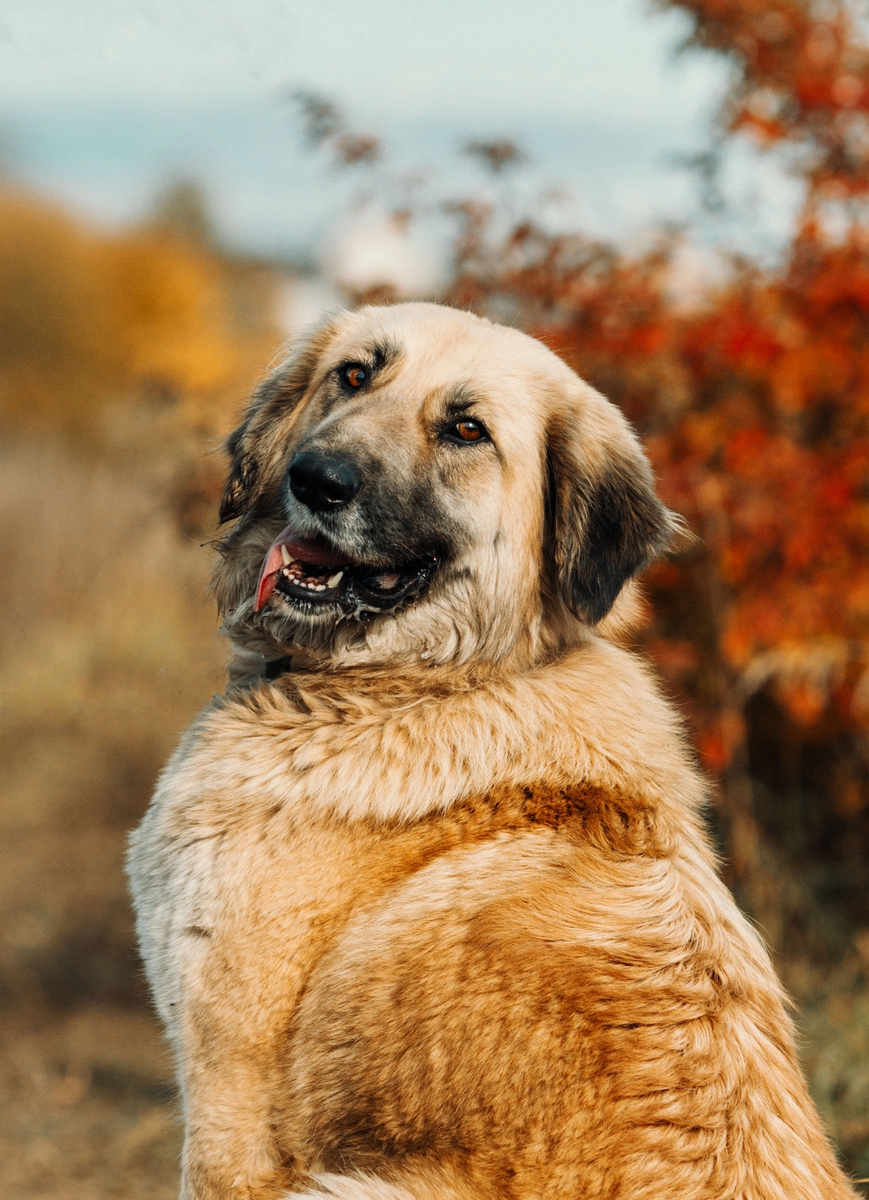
x=801 y=77
x=755 y=409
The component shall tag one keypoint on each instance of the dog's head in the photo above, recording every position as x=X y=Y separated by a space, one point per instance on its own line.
x=417 y=481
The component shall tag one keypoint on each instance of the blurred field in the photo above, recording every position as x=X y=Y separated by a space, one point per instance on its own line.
x=121 y=361
x=89 y=1108
x=109 y=647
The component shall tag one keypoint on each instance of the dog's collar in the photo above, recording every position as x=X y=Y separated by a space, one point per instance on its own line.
x=278 y=667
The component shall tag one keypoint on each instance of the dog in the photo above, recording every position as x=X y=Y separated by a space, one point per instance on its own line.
x=426 y=900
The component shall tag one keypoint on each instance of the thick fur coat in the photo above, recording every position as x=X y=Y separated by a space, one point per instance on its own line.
x=426 y=900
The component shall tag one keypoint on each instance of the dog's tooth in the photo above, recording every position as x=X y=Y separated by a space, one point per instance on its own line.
x=286 y=556
x=320 y=587
x=389 y=581
x=335 y=579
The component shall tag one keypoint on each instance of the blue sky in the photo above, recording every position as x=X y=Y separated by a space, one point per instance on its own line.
x=478 y=58
x=102 y=101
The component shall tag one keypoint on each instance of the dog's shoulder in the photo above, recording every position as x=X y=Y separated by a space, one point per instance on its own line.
x=397 y=746
x=581 y=813
x=551 y=935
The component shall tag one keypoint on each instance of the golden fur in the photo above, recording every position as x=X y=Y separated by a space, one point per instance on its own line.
x=432 y=913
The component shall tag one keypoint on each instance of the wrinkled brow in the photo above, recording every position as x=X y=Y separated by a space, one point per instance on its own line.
x=460 y=398
x=384 y=354
x=379 y=354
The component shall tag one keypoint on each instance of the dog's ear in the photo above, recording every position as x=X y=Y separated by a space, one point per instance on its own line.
x=250 y=444
x=606 y=520
x=238 y=492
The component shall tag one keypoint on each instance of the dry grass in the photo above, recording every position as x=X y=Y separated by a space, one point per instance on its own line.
x=89 y=1109
x=109 y=646
x=121 y=357
x=833 y=1021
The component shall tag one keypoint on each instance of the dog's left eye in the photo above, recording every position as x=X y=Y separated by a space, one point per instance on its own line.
x=353 y=376
x=467 y=431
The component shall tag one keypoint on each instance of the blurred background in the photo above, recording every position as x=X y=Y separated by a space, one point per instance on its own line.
x=675 y=197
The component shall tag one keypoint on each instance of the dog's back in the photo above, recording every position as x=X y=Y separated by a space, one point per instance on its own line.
x=566 y=1003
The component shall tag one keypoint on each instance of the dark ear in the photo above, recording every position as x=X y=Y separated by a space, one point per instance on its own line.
x=607 y=521
x=238 y=492
x=251 y=444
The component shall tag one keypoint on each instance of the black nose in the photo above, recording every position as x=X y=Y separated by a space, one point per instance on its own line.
x=323 y=481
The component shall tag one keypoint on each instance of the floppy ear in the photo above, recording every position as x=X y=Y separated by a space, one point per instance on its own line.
x=249 y=445
x=238 y=491
x=606 y=519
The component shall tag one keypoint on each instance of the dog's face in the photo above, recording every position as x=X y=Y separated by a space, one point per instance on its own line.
x=417 y=481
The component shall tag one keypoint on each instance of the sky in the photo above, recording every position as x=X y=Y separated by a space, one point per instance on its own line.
x=479 y=58
x=103 y=101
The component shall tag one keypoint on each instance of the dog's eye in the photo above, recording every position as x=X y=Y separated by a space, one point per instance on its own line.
x=467 y=431
x=354 y=376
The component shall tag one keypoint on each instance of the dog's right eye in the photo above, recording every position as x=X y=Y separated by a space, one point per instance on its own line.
x=467 y=432
x=353 y=376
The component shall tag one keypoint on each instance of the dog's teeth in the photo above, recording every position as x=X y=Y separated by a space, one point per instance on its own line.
x=286 y=556
x=335 y=579
x=320 y=587
x=388 y=581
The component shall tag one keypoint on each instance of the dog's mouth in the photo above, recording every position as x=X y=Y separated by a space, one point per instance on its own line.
x=313 y=575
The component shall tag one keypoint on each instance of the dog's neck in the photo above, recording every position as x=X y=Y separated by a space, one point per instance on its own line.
x=389 y=745
x=554 y=632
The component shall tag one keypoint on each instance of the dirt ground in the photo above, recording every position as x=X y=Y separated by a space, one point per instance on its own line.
x=89 y=1109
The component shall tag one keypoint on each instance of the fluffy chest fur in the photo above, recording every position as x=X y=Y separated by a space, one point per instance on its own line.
x=286 y=774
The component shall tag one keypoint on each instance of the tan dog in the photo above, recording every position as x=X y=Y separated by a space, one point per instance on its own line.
x=426 y=900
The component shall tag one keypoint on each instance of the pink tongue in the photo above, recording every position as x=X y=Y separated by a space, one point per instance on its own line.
x=310 y=550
